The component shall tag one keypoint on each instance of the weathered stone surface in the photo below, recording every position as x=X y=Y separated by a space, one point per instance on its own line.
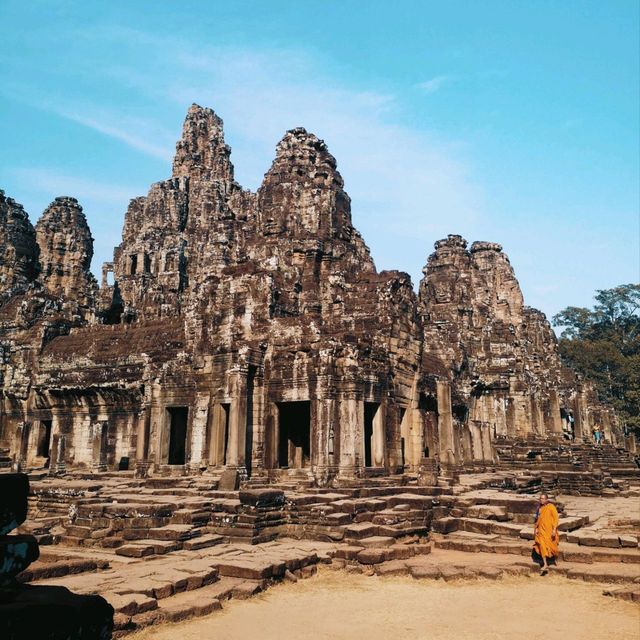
x=66 y=249
x=18 y=247
x=252 y=332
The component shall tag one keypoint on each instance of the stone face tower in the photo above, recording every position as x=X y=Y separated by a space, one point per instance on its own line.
x=18 y=247
x=66 y=249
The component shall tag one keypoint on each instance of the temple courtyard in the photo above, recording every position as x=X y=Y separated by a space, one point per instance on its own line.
x=340 y=606
x=387 y=555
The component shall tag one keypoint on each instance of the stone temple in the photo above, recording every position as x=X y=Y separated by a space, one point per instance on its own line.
x=244 y=398
x=252 y=332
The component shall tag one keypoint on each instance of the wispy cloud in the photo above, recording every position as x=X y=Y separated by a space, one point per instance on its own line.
x=142 y=134
x=56 y=184
x=405 y=182
x=130 y=131
x=433 y=85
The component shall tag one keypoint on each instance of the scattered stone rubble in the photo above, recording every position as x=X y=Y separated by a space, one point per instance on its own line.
x=245 y=397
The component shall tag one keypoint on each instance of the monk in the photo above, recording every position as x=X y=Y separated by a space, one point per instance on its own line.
x=545 y=533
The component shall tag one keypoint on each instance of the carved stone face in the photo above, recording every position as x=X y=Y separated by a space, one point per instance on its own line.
x=443 y=292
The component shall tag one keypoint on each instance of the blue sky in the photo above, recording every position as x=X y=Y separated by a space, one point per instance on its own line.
x=515 y=122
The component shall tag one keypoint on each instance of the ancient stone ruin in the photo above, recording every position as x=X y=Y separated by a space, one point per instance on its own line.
x=251 y=331
x=245 y=397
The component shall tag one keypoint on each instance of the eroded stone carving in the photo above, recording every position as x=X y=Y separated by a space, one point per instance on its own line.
x=252 y=332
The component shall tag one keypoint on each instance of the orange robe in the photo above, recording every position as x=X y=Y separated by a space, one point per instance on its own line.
x=545 y=544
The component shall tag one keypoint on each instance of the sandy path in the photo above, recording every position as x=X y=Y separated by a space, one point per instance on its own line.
x=338 y=606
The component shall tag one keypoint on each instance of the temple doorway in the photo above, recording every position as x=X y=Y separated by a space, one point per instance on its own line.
x=177 y=434
x=44 y=440
x=294 y=446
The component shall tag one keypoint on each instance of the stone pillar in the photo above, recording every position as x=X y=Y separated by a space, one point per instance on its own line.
x=555 y=422
x=142 y=435
x=322 y=434
x=143 y=431
x=99 y=453
x=630 y=443
x=485 y=439
x=199 y=430
x=57 y=466
x=537 y=420
x=510 y=417
x=476 y=439
x=581 y=419
x=377 y=438
x=218 y=419
x=445 y=424
x=237 y=422
x=351 y=435
x=22 y=446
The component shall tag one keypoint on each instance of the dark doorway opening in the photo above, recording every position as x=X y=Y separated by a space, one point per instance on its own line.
x=177 y=434
x=460 y=412
x=226 y=408
x=44 y=440
x=428 y=403
x=294 y=446
x=370 y=410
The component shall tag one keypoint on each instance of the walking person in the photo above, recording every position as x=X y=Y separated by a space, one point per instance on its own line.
x=545 y=534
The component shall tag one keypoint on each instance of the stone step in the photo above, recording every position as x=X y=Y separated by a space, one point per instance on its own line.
x=590 y=538
x=568 y=552
x=360 y=530
x=144 y=548
x=174 y=532
x=375 y=541
x=202 y=542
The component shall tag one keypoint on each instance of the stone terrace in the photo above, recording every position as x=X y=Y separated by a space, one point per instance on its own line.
x=171 y=548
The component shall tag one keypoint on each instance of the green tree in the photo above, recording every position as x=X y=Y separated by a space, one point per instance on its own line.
x=603 y=344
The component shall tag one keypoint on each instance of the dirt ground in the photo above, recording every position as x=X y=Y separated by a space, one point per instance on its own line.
x=335 y=605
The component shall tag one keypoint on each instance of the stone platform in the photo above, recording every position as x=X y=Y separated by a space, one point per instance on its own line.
x=165 y=549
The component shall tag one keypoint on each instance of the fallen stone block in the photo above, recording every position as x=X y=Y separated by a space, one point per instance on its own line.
x=392 y=568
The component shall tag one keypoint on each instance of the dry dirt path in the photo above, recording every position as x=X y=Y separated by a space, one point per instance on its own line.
x=339 y=606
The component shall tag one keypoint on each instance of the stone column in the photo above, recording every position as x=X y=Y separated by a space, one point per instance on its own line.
x=237 y=422
x=218 y=422
x=57 y=466
x=555 y=422
x=377 y=438
x=510 y=417
x=476 y=439
x=144 y=419
x=445 y=423
x=322 y=434
x=351 y=435
x=485 y=438
x=581 y=419
x=199 y=430
x=630 y=443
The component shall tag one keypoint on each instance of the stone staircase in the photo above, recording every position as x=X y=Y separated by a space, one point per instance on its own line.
x=576 y=468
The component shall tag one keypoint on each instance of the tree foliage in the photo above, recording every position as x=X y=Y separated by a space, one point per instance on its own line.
x=603 y=344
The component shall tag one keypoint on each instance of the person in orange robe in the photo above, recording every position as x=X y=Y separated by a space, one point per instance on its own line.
x=545 y=533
